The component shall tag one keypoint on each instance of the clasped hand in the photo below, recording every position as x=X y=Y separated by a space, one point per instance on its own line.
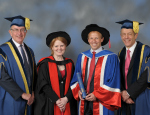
x=28 y=97
x=89 y=97
x=61 y=103
x=126 y=98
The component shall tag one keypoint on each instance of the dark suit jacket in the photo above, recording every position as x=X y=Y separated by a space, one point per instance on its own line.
x=135 y=87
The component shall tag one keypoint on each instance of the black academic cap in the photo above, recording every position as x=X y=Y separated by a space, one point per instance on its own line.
x=53 y=35
x=95 y=27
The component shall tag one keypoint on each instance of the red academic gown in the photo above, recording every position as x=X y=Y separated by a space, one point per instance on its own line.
x=105 y=83
x=51 y=86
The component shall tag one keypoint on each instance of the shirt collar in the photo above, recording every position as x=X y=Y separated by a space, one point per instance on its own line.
x=97 y=51
x=132 y=47
x=17 y=44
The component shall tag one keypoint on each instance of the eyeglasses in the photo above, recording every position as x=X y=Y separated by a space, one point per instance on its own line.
x=21 y=30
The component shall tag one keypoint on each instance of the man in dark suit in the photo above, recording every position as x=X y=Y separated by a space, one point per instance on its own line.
x=134 y=71
x=17 y=70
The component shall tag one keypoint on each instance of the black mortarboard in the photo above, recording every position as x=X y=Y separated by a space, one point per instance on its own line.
x=53 y=35
x=130 y=25
x=95 y=27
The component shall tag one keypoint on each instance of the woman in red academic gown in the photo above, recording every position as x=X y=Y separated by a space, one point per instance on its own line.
x=53 y=95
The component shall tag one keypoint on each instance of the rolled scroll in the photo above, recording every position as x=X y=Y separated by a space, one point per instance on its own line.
x=81 y=85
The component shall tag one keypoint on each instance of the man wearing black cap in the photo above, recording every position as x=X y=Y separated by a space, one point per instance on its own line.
x=134 y=65
x=17 y=70
x=100 y=73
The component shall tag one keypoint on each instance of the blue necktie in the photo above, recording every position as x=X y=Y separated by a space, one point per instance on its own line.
x=26 y=65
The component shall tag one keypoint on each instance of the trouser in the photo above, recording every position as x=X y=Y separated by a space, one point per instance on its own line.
x=88 y=108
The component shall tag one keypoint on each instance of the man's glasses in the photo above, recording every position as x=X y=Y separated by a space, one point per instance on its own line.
x=21 y=30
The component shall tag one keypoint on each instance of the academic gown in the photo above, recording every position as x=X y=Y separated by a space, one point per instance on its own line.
x=13 y=80
x=51 y=86
x=105 y=83
x=137 y=81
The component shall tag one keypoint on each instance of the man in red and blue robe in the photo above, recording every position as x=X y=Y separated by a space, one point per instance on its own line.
x=104 y=94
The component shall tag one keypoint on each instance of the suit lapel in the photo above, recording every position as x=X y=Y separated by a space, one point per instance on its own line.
x=122 y=61
x=17 y=52
x=132 y=59
x=134 y=64
x=30 y=57
x=123 y=65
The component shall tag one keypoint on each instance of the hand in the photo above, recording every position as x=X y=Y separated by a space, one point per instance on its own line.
x=90 y=97
x=60 y=105
x=31 y=99
x=80 y=95
x=64 y=100
x=124 y=95
x=28 y=97
x=129 y=101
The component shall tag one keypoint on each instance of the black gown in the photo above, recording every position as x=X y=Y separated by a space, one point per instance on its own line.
x=45 y=96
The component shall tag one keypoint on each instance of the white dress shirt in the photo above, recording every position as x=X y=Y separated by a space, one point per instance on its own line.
x=131 y=50
x=19 y=49
x=89 y=61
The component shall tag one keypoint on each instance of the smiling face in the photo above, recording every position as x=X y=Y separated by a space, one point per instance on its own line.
x=18 y=33
x=128 y=37
x=58 y=48
x=95 y=39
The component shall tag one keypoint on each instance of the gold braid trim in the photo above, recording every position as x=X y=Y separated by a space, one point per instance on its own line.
x=21 y=70
x=141 y=58
x=119 y=52
x=5 y=58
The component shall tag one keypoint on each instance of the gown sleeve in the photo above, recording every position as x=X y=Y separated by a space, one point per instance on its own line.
x=43 y=83
x=35 y=75
x=69 y=94
x=74 y=82
x=109 y=92
x=138 y=86
x=141 y=84
x=9 y=84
